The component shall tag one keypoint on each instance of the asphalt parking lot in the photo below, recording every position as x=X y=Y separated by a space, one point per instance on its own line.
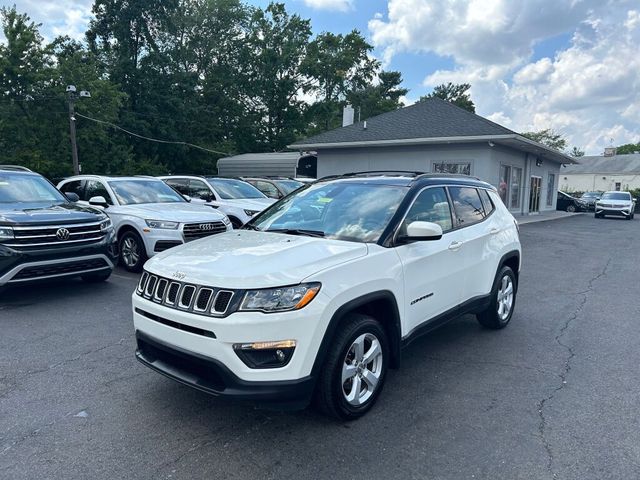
x=554 y=395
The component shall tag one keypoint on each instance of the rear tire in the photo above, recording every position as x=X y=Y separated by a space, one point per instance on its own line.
x=571 y=208
x=132 y=251
x=503 y=301
x=96 y=277
x=354 y=371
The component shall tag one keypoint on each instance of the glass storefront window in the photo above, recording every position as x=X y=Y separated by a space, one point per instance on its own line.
x=516 y=181
x=551 y=187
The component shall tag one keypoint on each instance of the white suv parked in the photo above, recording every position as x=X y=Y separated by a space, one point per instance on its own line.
x=148 y=216
x=316 y=296
x=237 y=199
x=620 y=204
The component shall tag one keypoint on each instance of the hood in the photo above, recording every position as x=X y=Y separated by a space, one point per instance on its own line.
x=174 y=212
x=39 y=213
x=244 y=259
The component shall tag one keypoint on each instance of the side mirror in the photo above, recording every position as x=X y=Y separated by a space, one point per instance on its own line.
x=98 y=201
x=422 y=231
x=187 y=198
x=72 y=197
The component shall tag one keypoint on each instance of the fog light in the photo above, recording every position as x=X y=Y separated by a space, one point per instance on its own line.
x=265 y=354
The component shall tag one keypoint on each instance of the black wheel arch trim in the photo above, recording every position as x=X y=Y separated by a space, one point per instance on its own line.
x=392 y=326
x=505 y=258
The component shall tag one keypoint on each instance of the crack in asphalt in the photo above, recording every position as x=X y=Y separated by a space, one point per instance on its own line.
x=566 y=368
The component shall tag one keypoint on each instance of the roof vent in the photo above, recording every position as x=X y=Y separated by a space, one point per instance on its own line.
x=347 y=116
x=610 y=151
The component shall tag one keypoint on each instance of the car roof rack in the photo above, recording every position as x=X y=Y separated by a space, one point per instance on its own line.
x=15 y=168
x=376 y=173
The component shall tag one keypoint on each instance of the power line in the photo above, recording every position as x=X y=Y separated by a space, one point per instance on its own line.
x=186 y=144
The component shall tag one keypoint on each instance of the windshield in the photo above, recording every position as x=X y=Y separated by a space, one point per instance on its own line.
x=289 y=185
x=616 y=196
x=134 y=192
x=343 y=211
x=17 y=187
x=229 y=188
x=590 y=195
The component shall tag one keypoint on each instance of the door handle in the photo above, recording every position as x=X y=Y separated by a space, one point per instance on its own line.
x=494 y=230
x=455 y=245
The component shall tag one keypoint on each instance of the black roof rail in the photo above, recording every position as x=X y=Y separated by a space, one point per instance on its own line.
x=374 y=173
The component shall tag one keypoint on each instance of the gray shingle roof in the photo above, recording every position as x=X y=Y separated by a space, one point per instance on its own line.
x=433 y=118
x=621 y=164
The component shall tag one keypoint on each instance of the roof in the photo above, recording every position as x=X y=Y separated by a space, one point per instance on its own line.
x=265 y=157
x=619 y=164
x=259 y=164
x=431 y=121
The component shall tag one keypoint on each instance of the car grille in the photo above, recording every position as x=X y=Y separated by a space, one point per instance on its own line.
x=193 y=231
x=188 y=297
x=56 y=235
x=41 y=271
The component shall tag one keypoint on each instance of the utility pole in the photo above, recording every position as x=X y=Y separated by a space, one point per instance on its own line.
x=71 y=92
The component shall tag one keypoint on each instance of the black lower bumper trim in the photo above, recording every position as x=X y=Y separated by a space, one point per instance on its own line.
x=211 y=376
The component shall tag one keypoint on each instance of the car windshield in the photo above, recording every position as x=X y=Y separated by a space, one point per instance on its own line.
x=590 y=195
x=349 y=211
x=134 y=192
x=17 y=187
x=230 y=188
x=289 y=185
x=616 y=196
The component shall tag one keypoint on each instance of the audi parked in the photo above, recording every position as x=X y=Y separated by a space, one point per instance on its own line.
x=45 y=235
x=148 y=215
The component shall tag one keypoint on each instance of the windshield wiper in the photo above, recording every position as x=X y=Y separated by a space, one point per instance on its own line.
x=298 y=231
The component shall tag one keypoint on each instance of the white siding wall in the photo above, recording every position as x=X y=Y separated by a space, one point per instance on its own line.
x=585 y=182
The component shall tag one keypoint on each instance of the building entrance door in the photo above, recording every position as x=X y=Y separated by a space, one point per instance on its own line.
x=534 y=195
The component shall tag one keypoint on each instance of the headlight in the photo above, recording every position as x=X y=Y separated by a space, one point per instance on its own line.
x=106 y=225
x=251 y=213
x=280 y=299
x=162 y=224
x=6 y=233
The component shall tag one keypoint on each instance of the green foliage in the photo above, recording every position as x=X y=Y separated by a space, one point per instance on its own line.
x=220 y=74
x=548 y=137
x=456 y=93
x=628 y=148
x=576 y=152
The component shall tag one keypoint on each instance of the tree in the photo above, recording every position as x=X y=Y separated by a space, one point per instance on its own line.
x=380 y=98
x=628 y=148
x=548 y=137
x=456 y=93
x=335 y=66
x=576 y=152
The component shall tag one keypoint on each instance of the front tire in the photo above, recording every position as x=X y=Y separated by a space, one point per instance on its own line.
x=132 y=251
x=571 y=208
x=503 y=301
x=355 y=369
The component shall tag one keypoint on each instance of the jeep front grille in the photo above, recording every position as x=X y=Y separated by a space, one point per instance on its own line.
x=190 y=297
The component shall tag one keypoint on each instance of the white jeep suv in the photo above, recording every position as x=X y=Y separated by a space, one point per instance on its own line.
x=148 y=216
x=237 y=199
x=316 y=296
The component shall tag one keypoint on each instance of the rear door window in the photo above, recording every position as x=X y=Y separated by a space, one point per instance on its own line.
x=467 y=205
x=489 y=207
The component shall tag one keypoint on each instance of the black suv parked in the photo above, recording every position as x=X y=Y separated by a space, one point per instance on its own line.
x=44 y=235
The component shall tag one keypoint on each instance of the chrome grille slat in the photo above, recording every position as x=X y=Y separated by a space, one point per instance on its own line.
x=45 y=235
x=193 y=231
x=184 y=296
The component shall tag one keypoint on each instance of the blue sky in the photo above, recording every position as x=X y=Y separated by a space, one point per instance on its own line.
x=569 y=65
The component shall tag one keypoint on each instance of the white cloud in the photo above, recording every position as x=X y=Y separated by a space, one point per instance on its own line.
x=589 y=91
x=58 y=17
x=334 y=5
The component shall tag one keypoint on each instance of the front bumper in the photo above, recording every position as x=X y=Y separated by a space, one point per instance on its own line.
x=212 y=377
x=18 y=266
x=157 y=240
x=615 y=211
x=190 y=347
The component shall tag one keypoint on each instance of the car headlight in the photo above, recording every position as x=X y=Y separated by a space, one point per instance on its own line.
x=251 y=213
x=6 y=233
x=106 y=225
x=163 y=224
x=280 y=299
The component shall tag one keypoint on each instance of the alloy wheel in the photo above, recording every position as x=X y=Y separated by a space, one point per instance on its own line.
x=361 y=369
x=505 y=297
x=130 y=252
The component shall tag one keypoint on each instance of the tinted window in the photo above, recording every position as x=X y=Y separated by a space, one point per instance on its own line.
x=133 y=192
x=76 y=186
x=289 y=185
x=431 y=205
x=180 y=184
x=268 y=189
x=616 y=196
x=486 y=202
x=97 y=189
x=199 y=189
x=467 y=205
x=229 y=188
